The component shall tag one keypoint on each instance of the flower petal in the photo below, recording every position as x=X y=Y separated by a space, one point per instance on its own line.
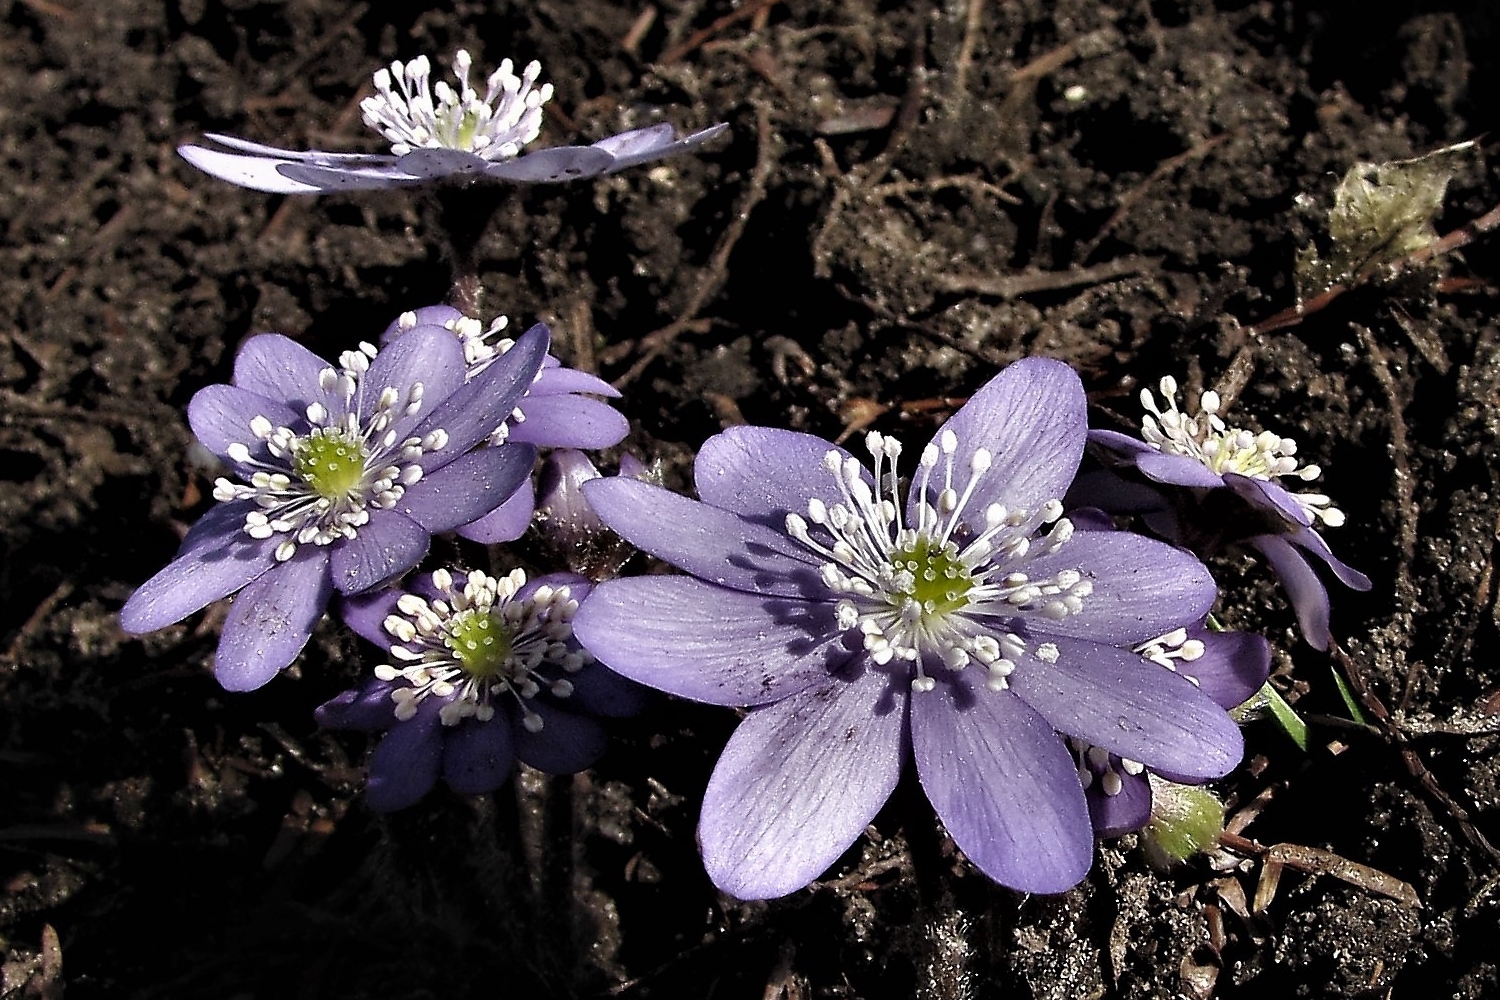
x=1127 y=810
x=366 y=613
x=1115 y=699
x=1310 y=540
x=405 y=763
x=1233 y=666
x=271 y=620
x=215 y=559
x=389 y=545
x=764 y=473
x=480 y=405
x=220 y=416
x=439 y=163
x=1309 y=596
x=278 y=367
x=1177 y=470
x=799 y=781
x=315 y=179
x=566 y=743
x=1032 y=419
x=569 y=422
x=552 y=165
x=1142 y=588
x=556 y=381
x=367 y=707
x=434 y=358
x=654 y=142
x=468 y=488
x=1003 y=783
x=709 y=644
x=506 y=522
x=425 y=316
x=258 y=173
x=317 y=156
x=713 y=544
x=478 y=756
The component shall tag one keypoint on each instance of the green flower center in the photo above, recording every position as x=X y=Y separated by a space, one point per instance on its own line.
x=480 y=642
x=331 y=461
x=940 y=583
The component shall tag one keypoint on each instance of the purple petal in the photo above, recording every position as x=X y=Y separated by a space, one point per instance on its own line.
x=654 y=142
x=468 y=488
x=763 y=473
x=479 y=406
x=556 y=381
x=1115 y=448
x=798 y=783
x=1177 y=470
x=257 y=173
x=598 y=690
x=1308 y=595
x=1112 y=698
x=326 y=180
x=566 y=743
x=432 y=357
x=1129 y=809
x=271 y=620
x=220 y=416
x=1233 y=666
x=709 y=644
x=366 y=614
x=1309 y=540
x=300 y=156
x=368 y=708
x=1271 y=497
x=436 y=164
x=1142 y=588
x=709 y=543
x=437 y=316
x=405 y=763
x=278 y=367
x=389 y=545
x=552 y=166
x=215 y=559
x=1032 y=419
x=569 y=422
x=1107 y=490
x=1003 y=783
x=506 y=522
x=478 y=756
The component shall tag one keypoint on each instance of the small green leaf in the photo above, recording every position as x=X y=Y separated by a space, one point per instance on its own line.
x=1286 y=717
x=1348 y=696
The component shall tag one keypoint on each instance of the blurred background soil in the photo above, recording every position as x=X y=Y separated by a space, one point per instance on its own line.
x=914 y=193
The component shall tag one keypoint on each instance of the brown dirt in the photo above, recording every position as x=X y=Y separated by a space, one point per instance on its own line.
x=914 y=194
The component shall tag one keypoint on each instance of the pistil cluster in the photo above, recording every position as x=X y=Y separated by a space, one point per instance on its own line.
x=424 y=115
x=1205 y=437
x=475 y=639
x=937 y=587
x=318 y=485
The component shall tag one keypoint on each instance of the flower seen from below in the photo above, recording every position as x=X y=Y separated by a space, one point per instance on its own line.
x=1201 y=454
x=483 y=671
x=339 y=477
x=968 y=626
x=558 y=411
x=441 y=132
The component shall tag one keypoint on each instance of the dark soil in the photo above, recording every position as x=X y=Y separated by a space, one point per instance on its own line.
x=913 y=194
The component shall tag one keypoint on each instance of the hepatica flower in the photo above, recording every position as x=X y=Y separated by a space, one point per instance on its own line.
x=558 y=410
x=439 y=132
x=1201 y=453
x=340 y=476
x=483 y=671
x=968 y=625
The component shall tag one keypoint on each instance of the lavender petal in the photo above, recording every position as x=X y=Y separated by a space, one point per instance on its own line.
x=566 y=743
x=709 y=644
x=799 y=781
x=405 y=763
x=763 y=473
x=569 y=422
x=478 y=757
x=389 y=545
x=506 y=522
x=467 y=488
x=271 y=620
x=1118 y=814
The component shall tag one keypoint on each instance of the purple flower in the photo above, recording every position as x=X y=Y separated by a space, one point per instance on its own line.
x=967 y=626
x=439 y=133
x=554 y=413
x=341 y=475
x=567 y=521
x=1229 y=667
x=1203 y=454
x=483 y=671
